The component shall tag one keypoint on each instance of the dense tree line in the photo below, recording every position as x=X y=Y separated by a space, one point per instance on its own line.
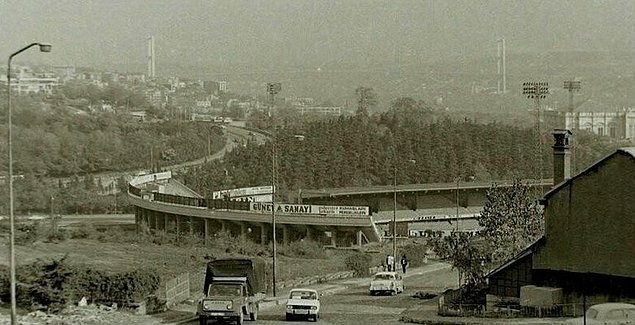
x=364 y=150
x=49 y=142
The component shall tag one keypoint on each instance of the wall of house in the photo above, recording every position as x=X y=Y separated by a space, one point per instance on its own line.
x=590 y=222
x=507 y=282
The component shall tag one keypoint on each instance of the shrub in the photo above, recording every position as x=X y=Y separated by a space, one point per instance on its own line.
x=83 y=231
x=304 y=249
x=358 y=262
x=26 y=232
x=55 y=235
x=415 y=254
x=52 y=284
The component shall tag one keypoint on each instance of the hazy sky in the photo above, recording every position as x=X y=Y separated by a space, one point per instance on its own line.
x=273 y=33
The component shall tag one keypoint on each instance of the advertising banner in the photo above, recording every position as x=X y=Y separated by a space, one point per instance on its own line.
x=241 y=192
x=304 y=209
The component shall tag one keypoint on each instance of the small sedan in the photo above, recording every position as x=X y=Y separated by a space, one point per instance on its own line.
x=386 y=282
x=303 y=303
x=611 y=313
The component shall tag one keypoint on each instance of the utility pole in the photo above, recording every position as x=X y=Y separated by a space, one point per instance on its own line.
x=537 y=91
x=272 y=90
x=571 y=86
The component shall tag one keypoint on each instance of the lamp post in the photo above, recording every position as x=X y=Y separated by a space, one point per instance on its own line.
x=273 y=89
x=394 y=214
x=43 y=48
x=458 y=179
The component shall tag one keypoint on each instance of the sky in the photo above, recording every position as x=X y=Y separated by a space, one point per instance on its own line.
x=277 y=34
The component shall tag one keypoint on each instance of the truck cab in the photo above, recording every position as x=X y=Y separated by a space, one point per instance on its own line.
x=232 y=292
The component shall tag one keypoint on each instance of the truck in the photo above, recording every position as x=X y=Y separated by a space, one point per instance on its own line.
x=232 y=290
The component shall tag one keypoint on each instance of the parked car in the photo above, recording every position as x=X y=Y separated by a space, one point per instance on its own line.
x=611 y=313
x=386 y=282
x=303 y=303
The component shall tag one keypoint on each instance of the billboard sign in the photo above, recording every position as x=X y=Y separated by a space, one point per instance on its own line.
x=242 y=192
x=303 y=209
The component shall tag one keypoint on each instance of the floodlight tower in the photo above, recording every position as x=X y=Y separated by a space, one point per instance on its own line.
x=537 y=91
x=571 y=86
x=272 y=90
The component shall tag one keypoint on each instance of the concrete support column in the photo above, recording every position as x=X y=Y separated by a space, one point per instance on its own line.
x=165 y=223
x=333 y=239
x=285 y=235
x=176 y=219
x=191 y=225
x=137 y=219
x=263 y=234
x=309 y=234
x=154 y=217
x=222 y=225
x=206 y=235
x=359 y=238
x=243 y=231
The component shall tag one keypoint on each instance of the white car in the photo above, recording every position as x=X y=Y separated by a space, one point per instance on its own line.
x=303 y=303
x=386 y=282
x=611 y=313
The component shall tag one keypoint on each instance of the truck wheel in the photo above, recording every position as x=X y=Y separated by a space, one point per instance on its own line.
x=254 y=314
x=240 y=319
x=202 y=320
x=288 y=317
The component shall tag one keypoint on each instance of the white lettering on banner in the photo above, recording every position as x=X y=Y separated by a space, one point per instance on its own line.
x=309 y=209
x=239 y=192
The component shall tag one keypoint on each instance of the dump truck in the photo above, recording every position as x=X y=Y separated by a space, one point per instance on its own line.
x=232 y=290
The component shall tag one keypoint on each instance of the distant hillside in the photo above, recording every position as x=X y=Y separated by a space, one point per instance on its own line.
x=463 y=85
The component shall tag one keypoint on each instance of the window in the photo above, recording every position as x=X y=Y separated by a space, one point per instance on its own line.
x=612 y=131
x=615 y=314
x=383 y=277
x=600 y=131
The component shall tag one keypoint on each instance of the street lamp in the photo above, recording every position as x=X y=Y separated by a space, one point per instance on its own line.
x=43 y=48
x=273 y=89
x=394 y=214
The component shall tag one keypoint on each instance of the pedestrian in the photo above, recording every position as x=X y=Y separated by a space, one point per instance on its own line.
x=404 y=263
x=390 y=262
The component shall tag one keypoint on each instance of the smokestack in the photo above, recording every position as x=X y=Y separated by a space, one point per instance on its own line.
x=502 y=83
x=151 y=71
x=561 y=156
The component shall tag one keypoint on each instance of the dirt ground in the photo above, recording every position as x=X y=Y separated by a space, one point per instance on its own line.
x=167 y=259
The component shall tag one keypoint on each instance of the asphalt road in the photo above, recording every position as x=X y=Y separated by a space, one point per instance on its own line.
x=356 y=306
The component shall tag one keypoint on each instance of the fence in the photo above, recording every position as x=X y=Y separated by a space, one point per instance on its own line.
x=177 y=289
x=510 y=311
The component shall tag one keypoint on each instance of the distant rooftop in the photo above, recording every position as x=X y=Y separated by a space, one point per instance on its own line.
x=347 y=191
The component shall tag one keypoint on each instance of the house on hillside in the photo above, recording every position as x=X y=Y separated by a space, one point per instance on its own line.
x=588 y=249
x=616 y=123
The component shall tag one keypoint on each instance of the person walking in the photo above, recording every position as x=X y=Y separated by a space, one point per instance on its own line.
x=404 y=263
x=390 y=262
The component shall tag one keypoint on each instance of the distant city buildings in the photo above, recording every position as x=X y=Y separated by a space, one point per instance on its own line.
x=26 y=81
x=320 y=110
x=616 y=123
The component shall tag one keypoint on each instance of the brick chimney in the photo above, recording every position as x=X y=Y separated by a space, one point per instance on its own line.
x=561 y=156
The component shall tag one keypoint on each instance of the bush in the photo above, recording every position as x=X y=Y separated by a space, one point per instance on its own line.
x=26 y=232
x=83 y=231
x=44 y=284
x=53 y=284
x=303 y=249
x=55 y=235
x=415 y=253
x=358 y=262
